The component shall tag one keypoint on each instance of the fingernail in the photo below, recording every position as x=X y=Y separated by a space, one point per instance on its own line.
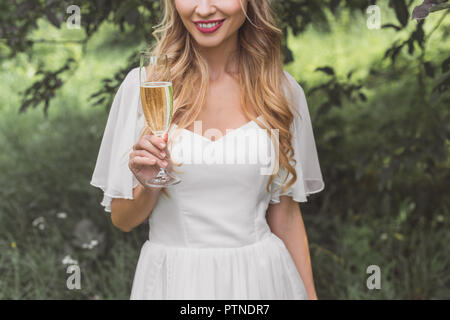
x=163 y=145
x=164 y=163
x=163 y=154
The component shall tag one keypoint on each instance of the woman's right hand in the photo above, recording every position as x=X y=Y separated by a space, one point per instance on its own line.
x=148 y=156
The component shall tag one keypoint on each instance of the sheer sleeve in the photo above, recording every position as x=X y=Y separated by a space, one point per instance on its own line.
x=309 y=176
x=123 y=127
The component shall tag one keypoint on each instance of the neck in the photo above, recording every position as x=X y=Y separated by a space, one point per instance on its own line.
x=220 y=59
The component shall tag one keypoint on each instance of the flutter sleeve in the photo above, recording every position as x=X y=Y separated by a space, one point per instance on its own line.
x=123 y=127
x=307 y=166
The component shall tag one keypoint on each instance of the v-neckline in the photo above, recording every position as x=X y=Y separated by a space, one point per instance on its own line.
x=223 y=136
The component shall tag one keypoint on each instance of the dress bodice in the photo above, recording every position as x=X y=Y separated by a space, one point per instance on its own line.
x=222 y=199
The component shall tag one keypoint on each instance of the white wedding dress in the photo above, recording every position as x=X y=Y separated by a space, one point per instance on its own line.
x=210 y=239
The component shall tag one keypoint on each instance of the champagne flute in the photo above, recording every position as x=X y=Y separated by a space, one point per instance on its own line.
x=157 y=103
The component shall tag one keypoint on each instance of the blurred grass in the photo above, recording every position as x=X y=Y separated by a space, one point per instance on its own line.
x=47 y=164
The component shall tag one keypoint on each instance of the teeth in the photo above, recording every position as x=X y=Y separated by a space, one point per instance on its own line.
x=208 y=25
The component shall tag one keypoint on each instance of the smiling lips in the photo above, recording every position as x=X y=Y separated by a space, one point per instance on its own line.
x=208 y=26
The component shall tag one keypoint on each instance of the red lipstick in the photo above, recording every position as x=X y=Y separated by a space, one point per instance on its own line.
x=208 y=30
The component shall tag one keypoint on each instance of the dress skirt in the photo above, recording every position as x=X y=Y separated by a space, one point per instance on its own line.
x=262 y=270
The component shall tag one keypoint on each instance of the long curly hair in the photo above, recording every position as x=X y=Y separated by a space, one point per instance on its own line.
x=260 y=74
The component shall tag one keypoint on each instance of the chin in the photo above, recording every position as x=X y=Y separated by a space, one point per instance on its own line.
x=209 y=43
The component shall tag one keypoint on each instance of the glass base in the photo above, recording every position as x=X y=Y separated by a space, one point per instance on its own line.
x=163 y=179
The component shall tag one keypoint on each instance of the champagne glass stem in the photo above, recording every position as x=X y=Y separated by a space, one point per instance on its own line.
x=163 y=178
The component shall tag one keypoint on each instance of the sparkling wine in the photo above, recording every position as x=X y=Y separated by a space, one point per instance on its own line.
x=157 y=104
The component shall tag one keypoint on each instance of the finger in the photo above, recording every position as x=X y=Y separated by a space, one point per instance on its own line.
x=136 y=163
x=145 y=144
x=146 y=154
x=168 y=158
x=166 y=149
x=169 y=164
x=142 y=161
x=167 y=153
x=143 y=153
x=156 y=141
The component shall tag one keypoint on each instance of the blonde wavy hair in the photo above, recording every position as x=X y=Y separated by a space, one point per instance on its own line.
x=260 y=74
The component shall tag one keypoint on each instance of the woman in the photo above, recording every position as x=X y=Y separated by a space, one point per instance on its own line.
x=226 y=231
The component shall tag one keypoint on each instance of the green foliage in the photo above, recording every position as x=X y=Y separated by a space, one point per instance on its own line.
x=49 y=164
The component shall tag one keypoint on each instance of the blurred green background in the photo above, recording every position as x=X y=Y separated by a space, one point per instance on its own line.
x=382 y=134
